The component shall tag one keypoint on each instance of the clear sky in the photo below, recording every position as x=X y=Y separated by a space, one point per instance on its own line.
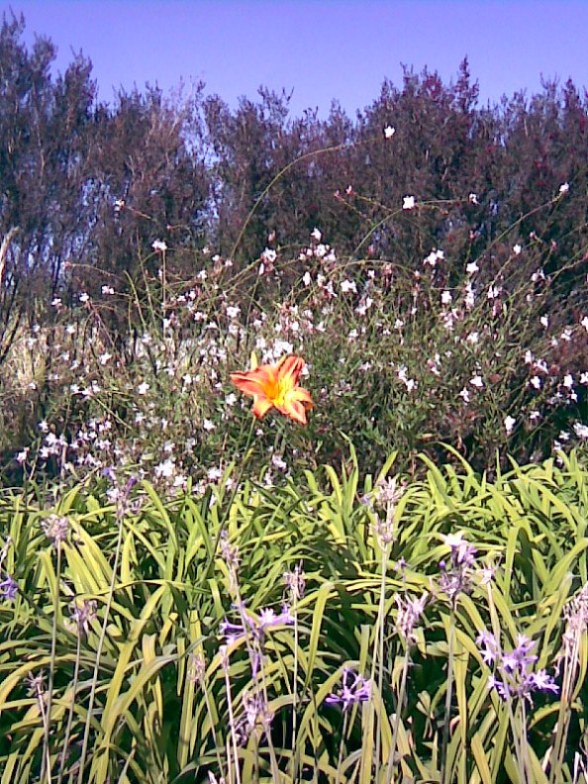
x=320 y=49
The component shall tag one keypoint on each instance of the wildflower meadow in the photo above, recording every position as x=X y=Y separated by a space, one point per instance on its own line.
x=291 y=513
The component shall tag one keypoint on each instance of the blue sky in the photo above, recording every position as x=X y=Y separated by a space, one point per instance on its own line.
x=320 y=49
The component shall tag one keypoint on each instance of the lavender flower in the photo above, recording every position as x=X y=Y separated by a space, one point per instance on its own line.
x=56 y=528
x=8 y=589
x=513 y=670
x=407 y=617
x=255 y=628
x=456 y=576
x=350 y=694
x=83 y=614
x=256 y=717
x=295 y=583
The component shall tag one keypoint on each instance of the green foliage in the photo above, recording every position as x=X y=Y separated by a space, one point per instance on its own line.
x=156 y=593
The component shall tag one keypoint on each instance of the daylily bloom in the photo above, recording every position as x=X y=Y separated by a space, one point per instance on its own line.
x=276 y=386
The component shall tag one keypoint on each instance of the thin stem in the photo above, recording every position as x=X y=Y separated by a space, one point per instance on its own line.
x=52 y=659
x=101 y=641
x=563 y=718
x=232 y=724
x=445 y=772
x=71 y=709
x=295 y=688
x=225 y=517
x=380 y=653
x=399 y=703
x=343 y=733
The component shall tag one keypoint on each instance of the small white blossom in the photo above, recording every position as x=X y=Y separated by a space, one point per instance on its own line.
x=509 y=423
x=568 y=381
x=143 y=388
x=564 y=187
x=159 y=246
x=517 y=249
x=408 y=203
x=389 y=132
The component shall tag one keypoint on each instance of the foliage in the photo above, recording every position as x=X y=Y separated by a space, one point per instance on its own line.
x=139 y=579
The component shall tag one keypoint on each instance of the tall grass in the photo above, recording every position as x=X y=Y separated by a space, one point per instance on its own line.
x=175 y=675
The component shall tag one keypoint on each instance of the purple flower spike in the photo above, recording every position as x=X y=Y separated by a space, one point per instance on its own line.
x=513 y=676
x=8 y=589
x=350 y=694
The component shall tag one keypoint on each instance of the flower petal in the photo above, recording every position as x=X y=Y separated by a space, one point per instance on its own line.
x=289 y=369
x=261 y=405
x=254 y=382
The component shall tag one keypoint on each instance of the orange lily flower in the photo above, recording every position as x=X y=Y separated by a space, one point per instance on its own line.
x=276 y=386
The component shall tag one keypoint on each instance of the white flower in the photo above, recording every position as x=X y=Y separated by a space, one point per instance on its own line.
x=103 y=358
x=477 y=381
x=389 y=132
x=536 y=382
x=568 y=381
x=446 y=297
x=159 y=246
x=348 y=285
x=316 y=235
x=22 y=456
x=517 y=249
x=471 y=268
x=509 y=423
x=473 y=198
x=408 y=203
x=208 y=425
x=107 y=290
x=434 y=256
x=307 y=279
x=581 y=430
x=544 y=321
x=564 y=188
x=464 y=395
x=143 y=388
x=84 y=297
x=165 y=469
x=584 y=323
